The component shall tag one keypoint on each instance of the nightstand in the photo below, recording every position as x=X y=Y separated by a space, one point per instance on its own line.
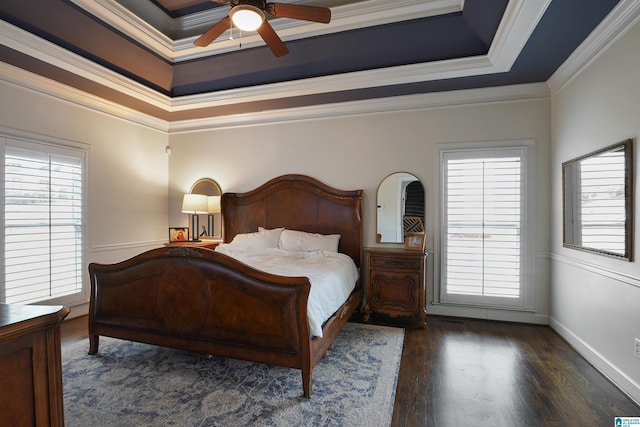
x=395 y=284
x=203 y=243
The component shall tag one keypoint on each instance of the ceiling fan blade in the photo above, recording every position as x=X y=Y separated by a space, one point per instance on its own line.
x=296 y=11
x=272 y=39
x=213 y=32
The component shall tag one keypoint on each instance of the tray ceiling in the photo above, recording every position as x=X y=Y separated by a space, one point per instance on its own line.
x=140 y=53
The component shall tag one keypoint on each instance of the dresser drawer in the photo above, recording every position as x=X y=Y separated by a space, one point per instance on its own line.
x=382 y=262
x=396 y=292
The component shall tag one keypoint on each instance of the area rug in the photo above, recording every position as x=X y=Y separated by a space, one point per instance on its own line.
x=133 y=384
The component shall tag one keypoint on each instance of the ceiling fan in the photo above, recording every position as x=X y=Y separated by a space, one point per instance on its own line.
x=249 y=15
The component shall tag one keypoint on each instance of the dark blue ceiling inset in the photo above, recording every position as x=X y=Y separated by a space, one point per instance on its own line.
x=417 y=41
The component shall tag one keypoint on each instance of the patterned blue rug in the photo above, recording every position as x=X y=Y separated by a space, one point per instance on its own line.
x=133 y=384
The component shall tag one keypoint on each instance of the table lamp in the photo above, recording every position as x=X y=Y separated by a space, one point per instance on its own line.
x=194 y=205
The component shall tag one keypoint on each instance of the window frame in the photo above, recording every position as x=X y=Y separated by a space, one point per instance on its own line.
x=51 y=146
x=525 y=300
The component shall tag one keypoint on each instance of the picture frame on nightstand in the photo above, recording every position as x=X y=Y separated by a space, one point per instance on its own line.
x=414 y=241
x=178 y=234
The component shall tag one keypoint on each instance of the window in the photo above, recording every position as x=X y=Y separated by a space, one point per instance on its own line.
x=483 y=230
x=43 y=223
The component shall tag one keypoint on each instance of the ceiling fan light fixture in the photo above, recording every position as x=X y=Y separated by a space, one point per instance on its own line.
x=246 y=17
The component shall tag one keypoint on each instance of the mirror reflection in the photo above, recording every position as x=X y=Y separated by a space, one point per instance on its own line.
x=212 y=190
x=400 y=204
x=598 y=201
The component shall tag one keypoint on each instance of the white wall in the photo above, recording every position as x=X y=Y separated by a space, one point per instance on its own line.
x=595 y=300
x=358 y=152
x=128 y=170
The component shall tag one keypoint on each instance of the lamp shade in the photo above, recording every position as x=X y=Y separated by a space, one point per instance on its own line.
x=195 y=204
x=214 y=204
x=246 y=17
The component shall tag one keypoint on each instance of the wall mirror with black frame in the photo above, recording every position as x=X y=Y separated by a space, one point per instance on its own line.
x=400 y=207
x=598 y=206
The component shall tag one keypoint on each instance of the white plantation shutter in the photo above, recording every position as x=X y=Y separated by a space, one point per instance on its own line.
x=43 y=223
x=483 y=226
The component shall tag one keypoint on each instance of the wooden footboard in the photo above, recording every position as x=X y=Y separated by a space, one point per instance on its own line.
x=199 y=300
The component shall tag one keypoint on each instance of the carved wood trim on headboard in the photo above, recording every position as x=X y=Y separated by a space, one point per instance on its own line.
x=297 y=202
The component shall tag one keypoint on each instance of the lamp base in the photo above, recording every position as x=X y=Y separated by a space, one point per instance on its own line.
x=195 y=225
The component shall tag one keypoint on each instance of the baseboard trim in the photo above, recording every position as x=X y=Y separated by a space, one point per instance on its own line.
x=488 y=314
x=625 y=383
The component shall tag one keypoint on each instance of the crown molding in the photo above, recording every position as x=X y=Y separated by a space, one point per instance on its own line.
x=41 y=49
x=42 y=85
x=156 y=36
x=124 y=20
x=48 y=87
x=622 y=18
x=342 y=82
x=519 y=22
x=516 y=26
x=524 y=92
x=50 y=53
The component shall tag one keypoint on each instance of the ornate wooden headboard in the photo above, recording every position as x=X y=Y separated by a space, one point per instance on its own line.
x=297 y=202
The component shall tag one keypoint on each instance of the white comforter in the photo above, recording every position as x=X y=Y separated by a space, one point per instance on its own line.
x=332 y=275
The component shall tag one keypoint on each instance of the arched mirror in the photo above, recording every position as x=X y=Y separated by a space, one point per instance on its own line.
x=400 y=207
x=211 y=189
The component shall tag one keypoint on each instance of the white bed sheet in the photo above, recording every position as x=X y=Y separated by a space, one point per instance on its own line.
x=333 y=276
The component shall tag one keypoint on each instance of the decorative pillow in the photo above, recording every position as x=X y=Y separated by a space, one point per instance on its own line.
x=273 y=235
x=261 y=239
x=292 y=240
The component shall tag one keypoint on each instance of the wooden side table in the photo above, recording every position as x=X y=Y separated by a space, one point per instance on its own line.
x=395 y=284
x=31 y=365
x=203 y=243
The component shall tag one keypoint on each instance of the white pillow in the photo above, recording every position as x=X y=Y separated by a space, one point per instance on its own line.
x=292 y=240
x=261 y=239
x=273 y=235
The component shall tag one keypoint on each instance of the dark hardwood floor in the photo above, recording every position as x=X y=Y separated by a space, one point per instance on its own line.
x=461 y=372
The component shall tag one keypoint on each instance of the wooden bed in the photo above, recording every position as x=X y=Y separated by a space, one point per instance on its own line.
x=199 y=300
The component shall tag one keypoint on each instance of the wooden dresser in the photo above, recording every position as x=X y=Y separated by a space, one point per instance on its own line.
x=395 y=284
x=30 y=365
